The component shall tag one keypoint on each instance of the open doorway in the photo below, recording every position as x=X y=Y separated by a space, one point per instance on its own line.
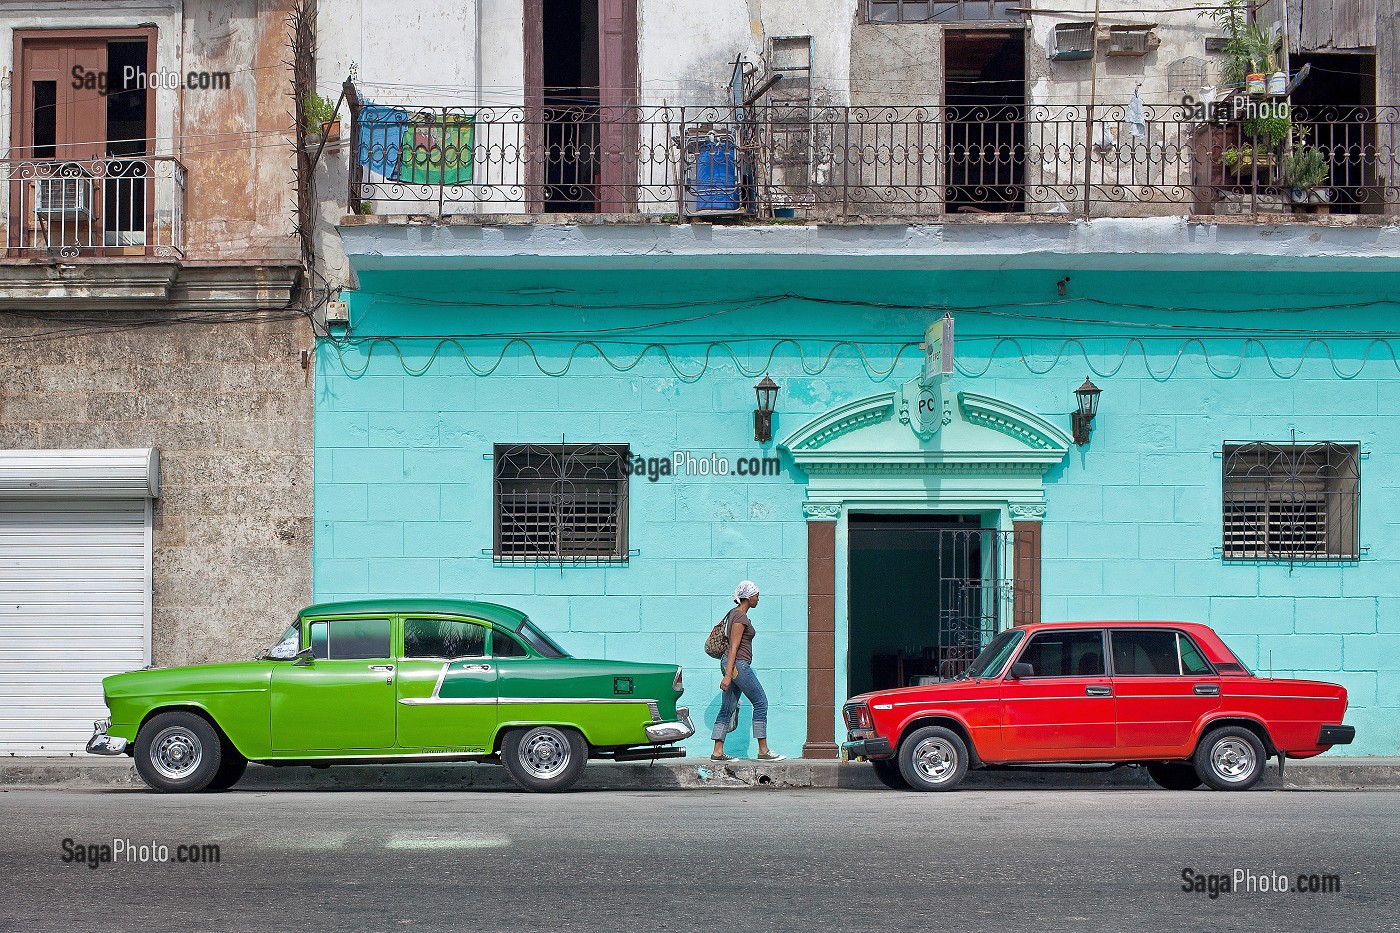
x=1335 y=110
x=925 y=594
x=984 y=80
x=580 y=92
x=570 y=92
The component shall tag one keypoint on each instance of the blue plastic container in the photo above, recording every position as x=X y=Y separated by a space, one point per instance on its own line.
x=716 y=175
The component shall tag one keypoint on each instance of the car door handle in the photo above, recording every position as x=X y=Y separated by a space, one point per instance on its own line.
x=1098 y=690
x=382 y=668
x=477 y=668
x=1206 y=690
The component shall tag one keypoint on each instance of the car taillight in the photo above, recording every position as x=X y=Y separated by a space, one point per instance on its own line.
x=676 y=684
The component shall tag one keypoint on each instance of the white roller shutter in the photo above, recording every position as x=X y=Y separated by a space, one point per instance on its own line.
x=75 y=605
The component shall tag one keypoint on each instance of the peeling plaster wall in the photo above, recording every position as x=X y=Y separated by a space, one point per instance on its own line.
x=239 y=200
x=235 y=142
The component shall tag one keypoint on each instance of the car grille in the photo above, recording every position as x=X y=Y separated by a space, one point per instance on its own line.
x=849 y=714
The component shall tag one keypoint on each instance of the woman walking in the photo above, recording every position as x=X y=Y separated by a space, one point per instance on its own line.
x=739 y=677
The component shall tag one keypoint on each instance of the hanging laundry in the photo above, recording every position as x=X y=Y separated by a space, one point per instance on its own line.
x=381 y=139
x=437 y=149
x=1135 y=118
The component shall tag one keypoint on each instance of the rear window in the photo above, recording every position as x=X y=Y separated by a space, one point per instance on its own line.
x=1145 y=653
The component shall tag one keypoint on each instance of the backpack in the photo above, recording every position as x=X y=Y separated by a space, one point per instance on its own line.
x=718 y=641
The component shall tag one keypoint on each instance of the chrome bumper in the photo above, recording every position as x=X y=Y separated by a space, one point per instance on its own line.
x=661 y=732
x=103 y=744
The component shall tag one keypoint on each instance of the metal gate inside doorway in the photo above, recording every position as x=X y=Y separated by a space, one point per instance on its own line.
x=977 y=593
x=926 y=594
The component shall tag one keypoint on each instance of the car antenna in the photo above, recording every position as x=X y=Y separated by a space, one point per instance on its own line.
x=1271 y=664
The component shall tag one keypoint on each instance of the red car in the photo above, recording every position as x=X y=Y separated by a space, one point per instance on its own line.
x=1168 y=695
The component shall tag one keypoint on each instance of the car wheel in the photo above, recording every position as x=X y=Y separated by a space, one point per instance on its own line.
x=544 y=758
x=1174 y=775
x=231 y=769
x=888 y=773
x=177 y=752
x=933 y=758
x=1230 y=758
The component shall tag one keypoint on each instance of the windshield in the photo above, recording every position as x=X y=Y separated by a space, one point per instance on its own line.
x=540 y=641
x=993 y=657
x=287 y=646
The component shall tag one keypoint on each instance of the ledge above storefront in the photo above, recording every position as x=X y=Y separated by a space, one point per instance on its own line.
x=565 y=241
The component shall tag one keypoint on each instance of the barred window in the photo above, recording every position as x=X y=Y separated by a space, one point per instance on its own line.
x=561 y=503
x=940 y=11
x=1291 y=501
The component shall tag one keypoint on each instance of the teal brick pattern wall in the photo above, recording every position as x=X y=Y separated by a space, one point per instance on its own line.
x=405 y=427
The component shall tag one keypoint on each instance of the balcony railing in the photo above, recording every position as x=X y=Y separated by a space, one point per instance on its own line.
x=113 y=207
x=845 y=163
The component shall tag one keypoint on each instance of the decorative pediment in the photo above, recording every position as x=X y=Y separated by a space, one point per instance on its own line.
x=987 y=454
x=840 y=420
x=1013 y=421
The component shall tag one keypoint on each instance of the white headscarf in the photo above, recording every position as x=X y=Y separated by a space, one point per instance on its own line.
x=745 y=590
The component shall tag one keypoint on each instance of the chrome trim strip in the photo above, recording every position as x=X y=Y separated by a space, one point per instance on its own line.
x=448 y=701
x=940 y=702
x=1272 y=696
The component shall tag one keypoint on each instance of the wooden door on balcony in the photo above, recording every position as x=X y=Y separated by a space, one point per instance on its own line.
x=79 y=182
x=580 y=105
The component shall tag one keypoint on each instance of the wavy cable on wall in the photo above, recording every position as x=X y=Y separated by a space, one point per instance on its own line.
x=1069 y=349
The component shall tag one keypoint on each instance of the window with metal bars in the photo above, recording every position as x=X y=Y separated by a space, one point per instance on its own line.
x=941 y=11
x=1291 y=501
x=564 y=503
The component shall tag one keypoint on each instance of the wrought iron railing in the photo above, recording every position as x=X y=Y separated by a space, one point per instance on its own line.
x=781 y=161
x=70 y=208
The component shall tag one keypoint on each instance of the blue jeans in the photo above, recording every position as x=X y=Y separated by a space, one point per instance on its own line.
x=745 y=682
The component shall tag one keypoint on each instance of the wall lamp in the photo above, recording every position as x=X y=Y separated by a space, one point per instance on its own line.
x=1082 y=420
x=767 y=392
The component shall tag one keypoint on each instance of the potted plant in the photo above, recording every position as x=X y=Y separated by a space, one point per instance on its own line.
x=319 y=117
x=1232 y=17
x=1261 y=44
x=1305 y=171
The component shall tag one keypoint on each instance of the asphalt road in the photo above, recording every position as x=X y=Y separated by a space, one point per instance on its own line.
x=742 y=860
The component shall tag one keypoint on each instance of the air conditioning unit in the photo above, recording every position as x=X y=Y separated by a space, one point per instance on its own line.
x=67 y=192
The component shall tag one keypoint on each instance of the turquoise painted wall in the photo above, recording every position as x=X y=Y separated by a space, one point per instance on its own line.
x=667 y=361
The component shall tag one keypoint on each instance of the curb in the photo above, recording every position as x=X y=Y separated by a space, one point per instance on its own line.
x=677 y=774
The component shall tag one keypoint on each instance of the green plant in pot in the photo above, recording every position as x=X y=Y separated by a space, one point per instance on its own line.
x=318 y=114
x=1266 y=132
x=1305 y=170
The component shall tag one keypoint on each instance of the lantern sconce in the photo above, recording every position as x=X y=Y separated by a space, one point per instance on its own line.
x=1082 y=420
x=767 y=392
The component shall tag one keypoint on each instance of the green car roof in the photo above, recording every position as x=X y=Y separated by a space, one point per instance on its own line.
x=489 y=612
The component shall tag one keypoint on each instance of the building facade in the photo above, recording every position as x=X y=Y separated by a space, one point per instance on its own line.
x=573 y=252
x=155 y=418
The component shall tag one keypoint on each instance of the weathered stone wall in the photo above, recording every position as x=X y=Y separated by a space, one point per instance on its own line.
x=230 y=409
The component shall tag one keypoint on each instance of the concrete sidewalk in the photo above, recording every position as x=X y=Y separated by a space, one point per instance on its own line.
x=89 y=772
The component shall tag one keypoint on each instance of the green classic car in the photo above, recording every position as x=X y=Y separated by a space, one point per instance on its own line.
x=402 y=680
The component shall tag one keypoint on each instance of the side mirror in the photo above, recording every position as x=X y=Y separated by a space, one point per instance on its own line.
x=1021 y=669
x=305 y=657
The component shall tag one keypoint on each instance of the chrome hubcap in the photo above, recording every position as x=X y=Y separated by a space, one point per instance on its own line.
x=935 y=760
x=544 y=753
x=176 y=752
x=1232 y=759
